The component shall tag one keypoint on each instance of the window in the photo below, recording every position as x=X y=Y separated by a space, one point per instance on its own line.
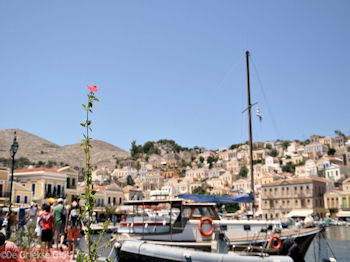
x=120 y=200
x=68 y=182
x=73 y=181
x=33 y=189
x=98 y=202
x=25 y=199
x=49 y=188
x=59 y=190
x=109 y=200
x=102 y=202
x=186 y=212
x=18 y=199
x=114 y=201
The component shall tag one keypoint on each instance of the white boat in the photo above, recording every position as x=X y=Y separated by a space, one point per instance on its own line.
x=191 y=225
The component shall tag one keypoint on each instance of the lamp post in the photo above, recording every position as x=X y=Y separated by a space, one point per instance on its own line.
x=13 y=151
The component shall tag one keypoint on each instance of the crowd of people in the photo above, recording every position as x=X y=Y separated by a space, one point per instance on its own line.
x=54 y=222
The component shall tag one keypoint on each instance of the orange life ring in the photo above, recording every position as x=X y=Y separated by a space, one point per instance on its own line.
x=200 y=224
x=272 y=244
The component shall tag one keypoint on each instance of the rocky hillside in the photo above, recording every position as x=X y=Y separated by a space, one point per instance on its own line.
x=38 y=149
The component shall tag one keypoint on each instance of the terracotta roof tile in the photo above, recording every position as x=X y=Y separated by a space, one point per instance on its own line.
x=294 y=180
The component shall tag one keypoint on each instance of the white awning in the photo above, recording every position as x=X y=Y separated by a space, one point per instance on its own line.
x=300 y=213
x=13 y=209
x=343 y=213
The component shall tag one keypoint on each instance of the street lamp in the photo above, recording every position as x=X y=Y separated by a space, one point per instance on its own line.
x=13 y=151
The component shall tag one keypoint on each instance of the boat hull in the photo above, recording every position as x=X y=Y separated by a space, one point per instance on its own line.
x=302 y=238
x=143 y=251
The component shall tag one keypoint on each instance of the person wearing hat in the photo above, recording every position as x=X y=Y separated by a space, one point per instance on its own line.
x=60 y=214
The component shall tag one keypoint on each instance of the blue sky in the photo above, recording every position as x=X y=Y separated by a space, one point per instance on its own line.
x=175 y=69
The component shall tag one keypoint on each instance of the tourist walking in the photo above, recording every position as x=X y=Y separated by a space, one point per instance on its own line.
x=48 y=225
x=32 y=214
x=73 y=225
x=38 y=224
x=60 y=214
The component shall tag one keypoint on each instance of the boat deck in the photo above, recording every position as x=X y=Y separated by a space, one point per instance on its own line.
x=286 y=233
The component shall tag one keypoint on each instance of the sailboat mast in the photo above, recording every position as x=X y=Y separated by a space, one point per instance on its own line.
x=250 y=135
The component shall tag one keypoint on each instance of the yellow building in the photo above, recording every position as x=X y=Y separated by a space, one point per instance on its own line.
x=20 y=194
x=4 y=182
x=48 y=182
x=345 y=195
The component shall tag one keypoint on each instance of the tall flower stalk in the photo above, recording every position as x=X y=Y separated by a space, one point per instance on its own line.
x=89 y=194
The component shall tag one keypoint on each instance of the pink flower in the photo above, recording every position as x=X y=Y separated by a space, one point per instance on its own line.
x=93 y=88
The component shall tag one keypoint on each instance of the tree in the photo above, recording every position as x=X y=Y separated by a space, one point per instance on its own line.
x=273 y=153
x=199 y=190
x=229 y=207
x=210 y=161
x=183 y=173
x=339 y=133
x=137 y=166
x=234 y=146
x=147 y=146
x=201 y=159
x=268 y=146
x=243 y=172
x=285 y=144
x=133 y=149
x=130 y=181
x=289 y=167
x=331 y=151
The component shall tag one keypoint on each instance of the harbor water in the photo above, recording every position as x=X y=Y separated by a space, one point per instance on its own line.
x=334 y=242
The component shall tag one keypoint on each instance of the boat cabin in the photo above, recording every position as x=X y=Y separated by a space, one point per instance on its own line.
x=164 y=216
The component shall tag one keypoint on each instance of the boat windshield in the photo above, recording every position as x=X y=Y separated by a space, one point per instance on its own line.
x=199 y=212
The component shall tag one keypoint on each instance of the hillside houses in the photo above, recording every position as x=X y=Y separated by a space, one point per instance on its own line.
x=288 y=176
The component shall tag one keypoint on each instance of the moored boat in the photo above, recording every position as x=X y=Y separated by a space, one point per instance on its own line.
x=191 y=225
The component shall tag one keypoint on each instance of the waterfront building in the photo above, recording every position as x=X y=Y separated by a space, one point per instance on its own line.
x=332 y=202
x=49 y=182
x=345 y=197
x=281 y=197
